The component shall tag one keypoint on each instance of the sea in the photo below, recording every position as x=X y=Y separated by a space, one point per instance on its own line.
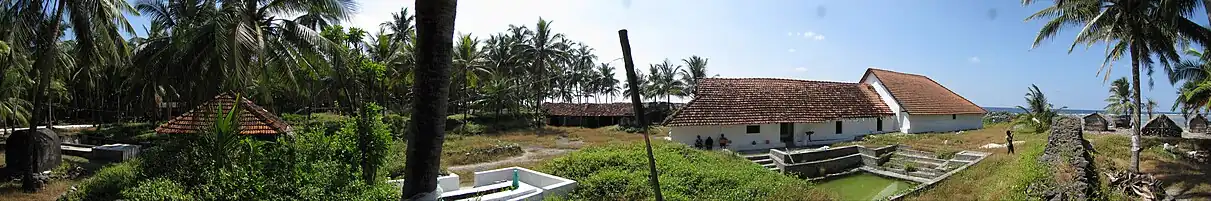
x=1175 y=116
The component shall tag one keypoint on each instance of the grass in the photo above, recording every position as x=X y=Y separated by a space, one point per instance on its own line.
x=999 y=176
x=11 y=190
x=1188 y=178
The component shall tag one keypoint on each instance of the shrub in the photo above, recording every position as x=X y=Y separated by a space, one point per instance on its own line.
x=108 y=183
x=158 y=189
x=122 y=132
x=315 y=164
x=398 y=124
x=619 y=172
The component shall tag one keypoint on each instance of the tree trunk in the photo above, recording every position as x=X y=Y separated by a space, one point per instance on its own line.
x=640 y=120
x=435 y=35
x=46 y=60
x=1135 y=113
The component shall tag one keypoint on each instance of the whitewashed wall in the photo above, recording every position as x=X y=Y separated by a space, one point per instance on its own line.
x=736 y=133
x=944 y=123
x=825 y=133
x=890 y=101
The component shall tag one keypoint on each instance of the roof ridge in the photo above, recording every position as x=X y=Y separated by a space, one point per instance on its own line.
x=779 y=79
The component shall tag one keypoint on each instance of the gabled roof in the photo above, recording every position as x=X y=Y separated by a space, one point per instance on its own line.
x=742 y=101
x=588 y=109
x=254 y=120
x=918 y=94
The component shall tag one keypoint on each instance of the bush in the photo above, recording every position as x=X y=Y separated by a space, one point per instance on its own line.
x=158 y=189
x=108 y=183
x=315 y=164
x=398 y=124
x=619 y=172
x=122 y=132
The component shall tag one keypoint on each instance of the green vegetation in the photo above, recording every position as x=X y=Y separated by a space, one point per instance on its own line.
x=1000 y=175
x=223 y=165
x=864 y=186
x=619 y=172
x=1039 y=112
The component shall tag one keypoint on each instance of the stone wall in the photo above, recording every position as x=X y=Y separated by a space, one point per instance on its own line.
x=819 y=163
x=1067 y=155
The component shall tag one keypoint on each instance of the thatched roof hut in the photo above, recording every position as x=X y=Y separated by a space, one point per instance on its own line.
x=1095 y=122
x=254 y=120
x=1122 y=121
x=1197 y=124
x=1161 y=126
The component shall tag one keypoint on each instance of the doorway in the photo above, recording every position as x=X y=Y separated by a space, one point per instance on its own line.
x=787 y=133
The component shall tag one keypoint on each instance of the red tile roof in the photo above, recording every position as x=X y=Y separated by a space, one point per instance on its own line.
x=254 y=120
x=918 y=94
x=588 y=109
x=742 y=101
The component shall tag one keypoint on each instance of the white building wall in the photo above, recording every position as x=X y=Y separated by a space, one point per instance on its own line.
x=770 y=135
x=944 y=123
x=890 y=101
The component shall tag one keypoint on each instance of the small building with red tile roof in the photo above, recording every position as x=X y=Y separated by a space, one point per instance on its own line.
x=590 y=115
x=923 y=105
x=254 y=120
x=764 y=113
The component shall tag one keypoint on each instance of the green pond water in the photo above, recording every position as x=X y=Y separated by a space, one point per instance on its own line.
x=864 y=186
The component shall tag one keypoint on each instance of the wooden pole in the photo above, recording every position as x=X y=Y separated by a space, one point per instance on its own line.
x=637 y=104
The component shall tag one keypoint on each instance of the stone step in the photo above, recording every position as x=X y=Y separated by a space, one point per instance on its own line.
x=922 y=174
x=756 y=157
x=772 y=169
x=927 y=159
x=764 y=161
x=768 y=165
x=920 y=153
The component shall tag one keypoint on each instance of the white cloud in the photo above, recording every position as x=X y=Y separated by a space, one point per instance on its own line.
x=789 y=33
x=790 y=50
x=974 y=59
x=809 y=34
x=801 y=69
x=818 y=37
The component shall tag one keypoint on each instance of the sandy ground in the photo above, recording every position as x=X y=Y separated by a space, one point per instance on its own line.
x=531 y=154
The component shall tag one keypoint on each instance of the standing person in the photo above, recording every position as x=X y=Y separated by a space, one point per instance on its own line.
x=1009 y=140
x=723 y=141
x=698 y=142
x=710 y=143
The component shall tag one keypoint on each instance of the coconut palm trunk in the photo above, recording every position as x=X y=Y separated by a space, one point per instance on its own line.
x=46 y=59
x=1135 y=113
x=435 y=42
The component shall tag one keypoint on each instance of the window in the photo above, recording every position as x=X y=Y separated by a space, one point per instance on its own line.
x=878 y=124
x=838 y=127
x=753 y=129
x=952 y=116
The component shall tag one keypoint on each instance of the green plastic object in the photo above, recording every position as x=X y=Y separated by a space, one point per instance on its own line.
x=514 y=178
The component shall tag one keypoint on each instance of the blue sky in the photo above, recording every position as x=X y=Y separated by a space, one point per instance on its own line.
x=979 y=49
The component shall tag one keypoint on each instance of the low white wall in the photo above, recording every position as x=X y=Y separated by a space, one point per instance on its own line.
x=741 y=140
x=770 y=135
x=549 y=184
x=944 y=123
x=447 y=183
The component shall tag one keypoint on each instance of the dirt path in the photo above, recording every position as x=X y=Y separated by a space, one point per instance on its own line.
x=531 y=154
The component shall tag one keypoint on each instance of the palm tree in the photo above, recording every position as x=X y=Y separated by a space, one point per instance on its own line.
x=1119 y=100
x=40 y=22
x=609 y=84
x=1150 y=106
x=695 y=70
x=1191 y=73
x=1039 y=112
x=435 y=28
x=1138 y=29
x=469 y=59
x=543 y=49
